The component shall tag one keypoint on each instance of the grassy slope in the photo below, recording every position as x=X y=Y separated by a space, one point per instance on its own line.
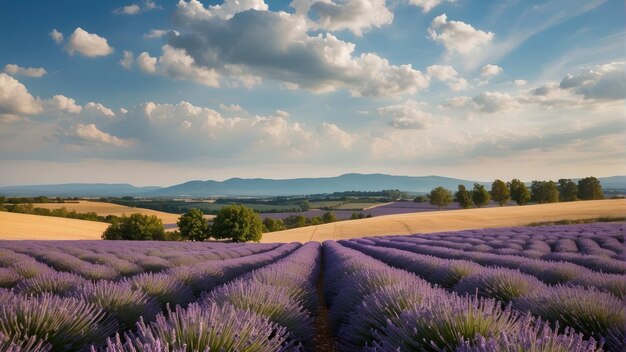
x=34 y=227
x=453 y=220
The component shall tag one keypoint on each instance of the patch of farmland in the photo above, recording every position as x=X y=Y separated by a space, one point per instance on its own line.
x=15 y=226
x=412 y=222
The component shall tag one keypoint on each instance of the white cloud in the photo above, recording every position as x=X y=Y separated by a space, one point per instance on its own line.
x=63 y=103
x=99 y=109
x=489 y=71
x=332 y=131
x=158 y=33
x=87 y=44
x=135 y=9
x=127 y=59
x=408 y=115
x=448 y=74
x=194 y=10
x=457 y=102
x=427 y=5
x=276 y=45
x=490 y=102
x=91 y=134
x=356 y=16
x=127 y=10
x=146 y=62
x=520 y=82
x=15 y=100
x=458 y=36
x=602 y=82
x=56 y=36
x=176 y=64
x=14 y=70
x=233 y=108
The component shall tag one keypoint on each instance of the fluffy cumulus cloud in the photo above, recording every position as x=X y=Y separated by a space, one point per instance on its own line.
x=63 y=104
x=195 y=10
x=332 y=131
x=158 y=33
x=56 y=36
x=87 y=44
x=448 y=74
x=15 y=70
x=276 y=45
x=489 y=71
x=490 y=102
x=135 y=9
x=177 y=64
x=15 y=100
x=408 y=115
x=127 y=59
x=427 y=5
x=602 y=82
x=99 y=109
x=457 y=36
x=356 y=16
x=90 y=134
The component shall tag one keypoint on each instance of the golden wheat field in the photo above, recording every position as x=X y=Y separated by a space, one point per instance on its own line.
x=104 y=209
x=35 y=227
x=451 y=220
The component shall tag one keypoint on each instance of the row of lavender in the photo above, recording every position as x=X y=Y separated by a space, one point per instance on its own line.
x=87 y=313
x=598 y=246
x=595 y=314
x=97 y=260
x=374 y=307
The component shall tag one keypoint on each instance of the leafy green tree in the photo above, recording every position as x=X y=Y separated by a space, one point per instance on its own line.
x=440 y=197
x=419 y=199
x=480 y=195
x=589 y=188
x=304 y=205
x=500 y=192
x=464 y=197
x=544 y=192
x=293 y=221
x=329 y=217
x=238 y=223
x=271 y=225
x=135 y=227
x=193 y=226
x=568 y=190
x=519 y=192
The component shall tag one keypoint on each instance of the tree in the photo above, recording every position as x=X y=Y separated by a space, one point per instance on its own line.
x=305 y=205
x=544 y=192
x=589 y=188
x=295 y=221
x=329 y=217
x=519 y=192
x=464 y=197
x=194 y=226
x=135 y=227
x=419 y=199
x=271 y=225
x=440 y=197
x=238 y=223
x=500 y=192
x=480 y=195
x=568 y=190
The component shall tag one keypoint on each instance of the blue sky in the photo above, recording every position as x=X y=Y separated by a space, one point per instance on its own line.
x=156 y=92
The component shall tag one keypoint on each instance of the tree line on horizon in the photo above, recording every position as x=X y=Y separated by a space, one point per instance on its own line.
x=540 y=192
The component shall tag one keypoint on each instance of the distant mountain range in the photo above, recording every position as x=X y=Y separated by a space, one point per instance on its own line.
x=262 y=187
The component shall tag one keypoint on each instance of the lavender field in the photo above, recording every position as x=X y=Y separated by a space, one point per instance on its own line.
x=550 y=288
